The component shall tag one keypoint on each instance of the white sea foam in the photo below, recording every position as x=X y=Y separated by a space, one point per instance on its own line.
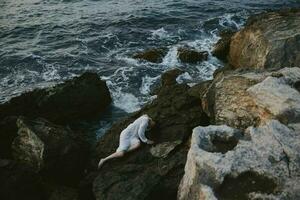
x=126 y=101
x=147 y=82
x=184 y=77
x=171 y=60
x=159 y=34
x=227 y=20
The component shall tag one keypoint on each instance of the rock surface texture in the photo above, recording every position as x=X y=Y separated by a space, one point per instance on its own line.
x=80 y=98
x=222 y=47
x=53 y=150
x=269 y=40
x=188 y=55
x=265 y=163
x=151 y=172
x=152 y=55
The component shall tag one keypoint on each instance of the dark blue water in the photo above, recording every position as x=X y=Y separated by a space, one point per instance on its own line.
x=43 y=42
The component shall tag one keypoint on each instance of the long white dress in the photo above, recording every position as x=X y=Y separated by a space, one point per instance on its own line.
x=134 y=133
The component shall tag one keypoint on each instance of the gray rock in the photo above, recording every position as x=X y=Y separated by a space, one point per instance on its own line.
x=58 y=153
x=278 y=96
x=265 y=164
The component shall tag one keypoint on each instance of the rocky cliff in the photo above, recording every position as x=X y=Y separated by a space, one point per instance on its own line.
x=252 y=150
x=234 y=137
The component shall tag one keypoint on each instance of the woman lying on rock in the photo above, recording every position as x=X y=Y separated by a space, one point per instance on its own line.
x=131 y=137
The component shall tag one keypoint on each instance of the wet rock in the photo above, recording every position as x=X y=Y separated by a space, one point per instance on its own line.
x=140 y=175
x=222 y=47
x=56 y=152
x=264 y=163
x=187 y=55
x=169 y=78
x=269 y=40
x=152 y=55
x=83 y=97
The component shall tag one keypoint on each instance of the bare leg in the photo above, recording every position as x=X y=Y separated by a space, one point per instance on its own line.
x=118 y=154
x=134 y=147
x=114 y=155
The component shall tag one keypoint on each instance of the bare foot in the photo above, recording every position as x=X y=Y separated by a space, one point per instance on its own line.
x=101 y=162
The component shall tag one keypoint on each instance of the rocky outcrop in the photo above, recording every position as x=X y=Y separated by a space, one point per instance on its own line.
x=20 y=182
x=269 y=40
x=80 y=98
x=188 y=55
x=8 y=131
x=222 y=47
x=244 y=98
x=151 y=172
x=167 y=78
x=264 y=164
x=152 y=55
x=54 y=151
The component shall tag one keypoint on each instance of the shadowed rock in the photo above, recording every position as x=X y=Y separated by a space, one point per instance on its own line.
x=56 y=152
x=140 y=175
x=187 y=55
x=80 y=98
x=222 y=47
x=152 y=55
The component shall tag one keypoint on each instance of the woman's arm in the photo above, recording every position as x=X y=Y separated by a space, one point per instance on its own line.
x=142 y=130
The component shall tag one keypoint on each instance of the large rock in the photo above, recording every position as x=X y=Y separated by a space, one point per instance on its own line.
x=242 y=99
x=151 y=172
x=221 y=48
x=80 y=98
x=188 y=55
x=20 y=182
x=152 y=55
x=269 y=40
x=263 y=165
x=54 y=151
x=8 y=131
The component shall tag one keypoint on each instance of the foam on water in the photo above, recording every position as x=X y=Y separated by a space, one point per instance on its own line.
x=171 y=60
x=159 y=34
x=183 y=78
x=147 y=82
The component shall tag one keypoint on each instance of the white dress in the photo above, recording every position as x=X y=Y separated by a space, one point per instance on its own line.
x=134 y=133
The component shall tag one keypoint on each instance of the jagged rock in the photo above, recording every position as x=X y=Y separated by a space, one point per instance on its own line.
x=55 y=152
x=188 y=55
x=278 y=96
x=140 y=175
x=152 y=55
x=269 y=40
x=199 y=89
x=20 y=182
x=80 y=98
x=162 y=150
x=169 y=77
x=242 y=99
x=265 y=163
x=221 y=48
x=228 y=102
